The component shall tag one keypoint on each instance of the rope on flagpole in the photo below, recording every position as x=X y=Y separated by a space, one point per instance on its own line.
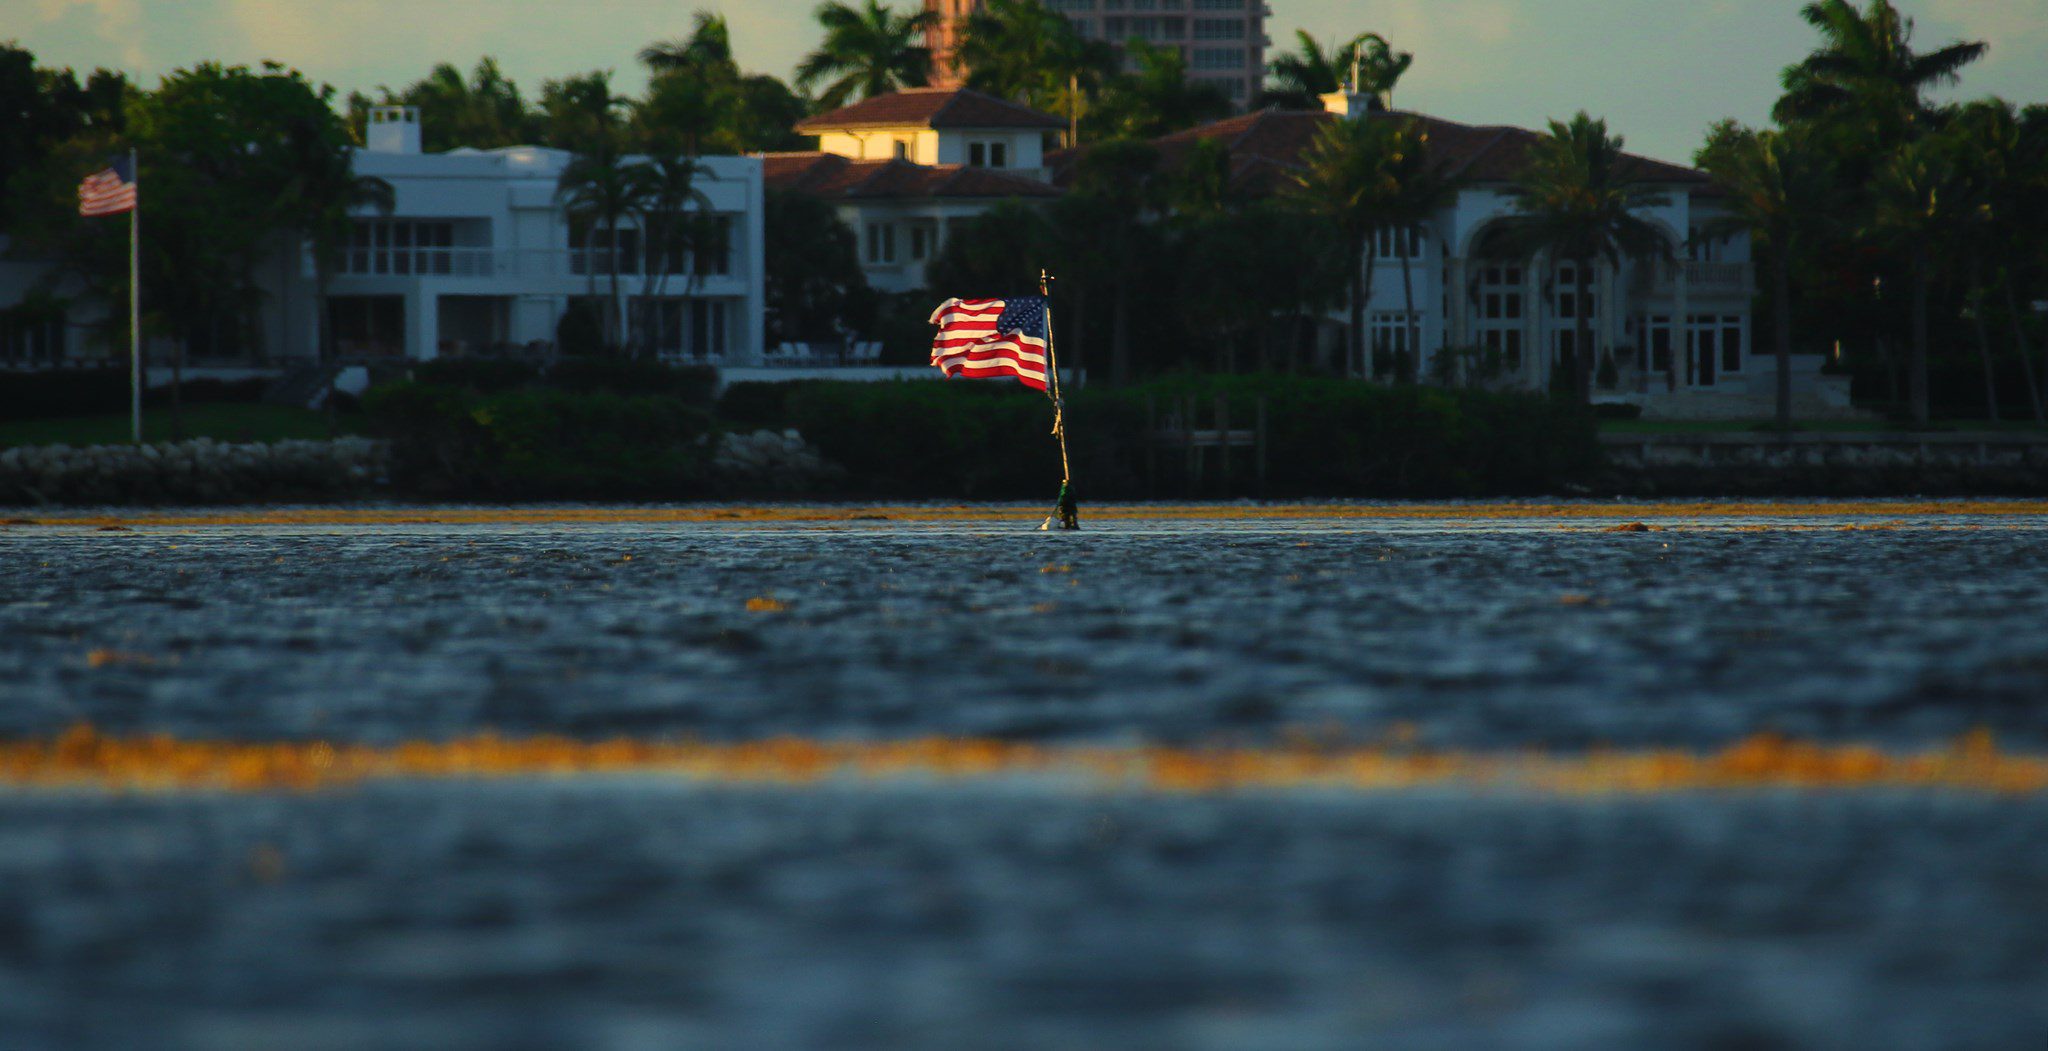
x=135 y=302
x=1067 y=511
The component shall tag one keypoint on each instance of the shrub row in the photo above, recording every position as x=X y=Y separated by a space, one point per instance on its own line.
x=541 y=443
x=1324 y=437
x=60 y=393
x=983 y=440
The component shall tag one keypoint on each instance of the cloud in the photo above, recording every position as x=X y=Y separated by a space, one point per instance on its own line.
x=115 y=23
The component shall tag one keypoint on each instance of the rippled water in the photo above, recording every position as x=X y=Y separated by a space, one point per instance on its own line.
x=637 y=912
x=1511 y=634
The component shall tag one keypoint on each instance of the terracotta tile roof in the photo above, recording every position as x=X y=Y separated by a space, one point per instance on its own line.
x=930 y=108
x=830 y=175
x=1266 y=145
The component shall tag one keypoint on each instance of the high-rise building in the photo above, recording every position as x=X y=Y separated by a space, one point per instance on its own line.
x=1224 y=41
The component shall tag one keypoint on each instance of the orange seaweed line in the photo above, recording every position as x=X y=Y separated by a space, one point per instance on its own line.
x=83 y=757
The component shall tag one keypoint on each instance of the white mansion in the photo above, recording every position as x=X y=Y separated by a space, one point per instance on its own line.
x=477 y=256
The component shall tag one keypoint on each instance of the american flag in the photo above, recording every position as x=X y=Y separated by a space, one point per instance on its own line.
x=109 y=191
x=980 y=338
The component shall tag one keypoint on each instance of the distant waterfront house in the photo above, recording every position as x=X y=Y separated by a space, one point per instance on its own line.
x=477 y=256
x=1680 y=332
x=902 y=168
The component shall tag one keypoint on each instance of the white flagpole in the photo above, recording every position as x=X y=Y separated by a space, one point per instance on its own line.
x=135 y=303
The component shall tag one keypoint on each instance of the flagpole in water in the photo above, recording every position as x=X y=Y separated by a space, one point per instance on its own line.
x=1067 y=511
x=135 y=304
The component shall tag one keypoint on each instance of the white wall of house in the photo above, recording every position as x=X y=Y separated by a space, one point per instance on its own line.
x=474 y=256
x=1701 y=302
x=478 y=252
x=1020 y=151
x=897 y=237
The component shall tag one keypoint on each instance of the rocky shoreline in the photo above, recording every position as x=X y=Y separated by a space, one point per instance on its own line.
x=783 y=464
x=197 y=471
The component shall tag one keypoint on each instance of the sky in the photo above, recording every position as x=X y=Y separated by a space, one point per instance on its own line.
x=1659 y=71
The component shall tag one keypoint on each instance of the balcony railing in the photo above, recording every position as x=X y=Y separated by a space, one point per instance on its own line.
x=1701 y=279
x=532 y=263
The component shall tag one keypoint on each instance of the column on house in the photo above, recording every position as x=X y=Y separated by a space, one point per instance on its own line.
x=422 y=325
x=1681 y=327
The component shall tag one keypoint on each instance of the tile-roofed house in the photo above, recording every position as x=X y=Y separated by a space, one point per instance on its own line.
x=931 y=108
x=1267 y=143
x=899 y=210
x=938 y=126
x=1684 y=325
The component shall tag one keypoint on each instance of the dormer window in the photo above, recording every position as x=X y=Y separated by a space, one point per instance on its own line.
x=988 y=154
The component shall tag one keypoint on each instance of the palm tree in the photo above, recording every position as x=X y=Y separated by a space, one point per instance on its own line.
x=1025 y=51
x=706 y=52
x=582 y=113
x=598 y=190
x=1301 y=78
x=867 y=51
x=1867 y=69
x=1776 y=183
x=1424 y=188
x=323 y=192
x=1156 y=98
x=1350 y=178
x=1914 y=210
x=483 y=112
x=667 y=193
x=1118 y=188
x=1578 y=201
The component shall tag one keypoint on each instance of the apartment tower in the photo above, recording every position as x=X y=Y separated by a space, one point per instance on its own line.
x=1224 y=41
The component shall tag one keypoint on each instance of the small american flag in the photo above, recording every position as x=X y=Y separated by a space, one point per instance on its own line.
x=109 y=191
x=981 y=338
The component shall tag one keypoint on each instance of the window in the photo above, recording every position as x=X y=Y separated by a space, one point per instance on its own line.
x=1398 y=243
x=1702 y=247
x=714 y=246
x=1219 y=29
x=1567 y=294
x=707 y=328
x=1219 y=58
x=881 y=243
x=32 y=332
x=988 y=154
x=1657 y=333
x=902 y=150
x=1507 y=342
x=1387 y=335
x=399 y=246
x=921 y=238
x=1220 y=5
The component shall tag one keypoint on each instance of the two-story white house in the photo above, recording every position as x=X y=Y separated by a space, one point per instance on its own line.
x=902 y=169
x=1679 y=332
x=478 y=256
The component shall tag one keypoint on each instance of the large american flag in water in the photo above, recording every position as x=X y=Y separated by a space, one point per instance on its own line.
x=109 y=191
x=981 y=338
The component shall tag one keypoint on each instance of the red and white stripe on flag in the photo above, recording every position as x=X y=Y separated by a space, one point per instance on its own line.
x=972 y=343
x=105 y=192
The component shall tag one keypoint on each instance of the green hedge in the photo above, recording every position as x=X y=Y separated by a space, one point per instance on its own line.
x=1325 y=437
x=988 y=440
x=541 y=443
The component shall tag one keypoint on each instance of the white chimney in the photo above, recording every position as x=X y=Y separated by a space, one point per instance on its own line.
x=1350 y=104
x=394 y=129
